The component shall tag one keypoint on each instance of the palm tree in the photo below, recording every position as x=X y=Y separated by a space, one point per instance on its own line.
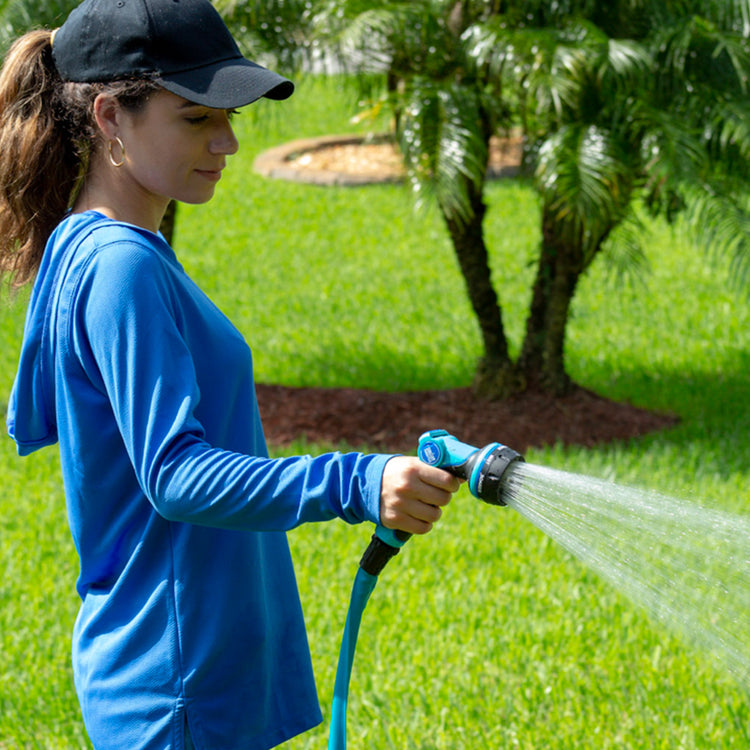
x=622 y=103
x=643 y=109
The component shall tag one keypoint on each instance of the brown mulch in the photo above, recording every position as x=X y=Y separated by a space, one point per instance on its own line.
x=393 y=422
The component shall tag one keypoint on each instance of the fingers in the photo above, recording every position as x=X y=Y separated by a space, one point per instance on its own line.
x=413 y=494
x=410 y=515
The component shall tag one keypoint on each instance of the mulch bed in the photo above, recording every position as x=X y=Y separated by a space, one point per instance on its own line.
x=393 y=422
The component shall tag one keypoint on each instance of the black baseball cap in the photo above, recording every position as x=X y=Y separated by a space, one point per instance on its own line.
x=183 y=44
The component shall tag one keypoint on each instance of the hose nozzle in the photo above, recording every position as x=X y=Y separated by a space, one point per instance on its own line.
x=483 y=468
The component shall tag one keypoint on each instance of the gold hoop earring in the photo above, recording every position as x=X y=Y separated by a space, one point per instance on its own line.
x=112 y=161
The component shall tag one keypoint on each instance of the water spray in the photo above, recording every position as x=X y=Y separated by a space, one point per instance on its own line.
x=687 y=565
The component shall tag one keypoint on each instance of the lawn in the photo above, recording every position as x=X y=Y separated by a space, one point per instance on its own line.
x=484 y=634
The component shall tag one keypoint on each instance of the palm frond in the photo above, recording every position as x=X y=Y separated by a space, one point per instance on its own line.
x=625 y=260
x=279 y=32
x=443 y=148
x=577 y=76
x=727 y=133
x=671 y=151
x=720 y=224
x=490 y=46
x=585 y=182
x=729 y=15
x=736 y=53
x=628 y=60
x=365 y=42
x=695 y=50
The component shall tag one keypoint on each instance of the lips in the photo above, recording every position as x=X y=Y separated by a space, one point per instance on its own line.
x=210 y=174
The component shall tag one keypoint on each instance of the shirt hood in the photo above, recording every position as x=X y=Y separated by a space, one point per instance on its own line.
x=30 y=419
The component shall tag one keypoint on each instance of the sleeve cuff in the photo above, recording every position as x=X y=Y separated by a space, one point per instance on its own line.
x=373 y=485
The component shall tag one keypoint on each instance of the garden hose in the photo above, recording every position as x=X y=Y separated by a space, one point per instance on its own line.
x=385 y=543
x=483 y=469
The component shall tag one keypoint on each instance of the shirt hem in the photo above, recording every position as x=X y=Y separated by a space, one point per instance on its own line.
x=279 y=736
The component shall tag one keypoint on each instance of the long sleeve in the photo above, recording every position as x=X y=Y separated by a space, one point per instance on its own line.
x=174 y=371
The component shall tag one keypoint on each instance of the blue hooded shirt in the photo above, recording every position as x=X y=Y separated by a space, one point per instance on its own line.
x=190 y=609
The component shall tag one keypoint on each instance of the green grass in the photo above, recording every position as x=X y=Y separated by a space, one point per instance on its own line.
x=484 y=634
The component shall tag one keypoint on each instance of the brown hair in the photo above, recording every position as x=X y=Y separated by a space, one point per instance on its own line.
x=47 y=131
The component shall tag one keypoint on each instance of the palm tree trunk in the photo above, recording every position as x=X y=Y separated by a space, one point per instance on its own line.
x=168 y=222
x=495 y=377
x=542 y=359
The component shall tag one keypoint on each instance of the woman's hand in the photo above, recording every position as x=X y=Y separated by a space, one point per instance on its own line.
x=413 y=494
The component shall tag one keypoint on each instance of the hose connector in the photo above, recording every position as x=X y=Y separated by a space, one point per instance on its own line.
x=483 y=468
x=385 y=544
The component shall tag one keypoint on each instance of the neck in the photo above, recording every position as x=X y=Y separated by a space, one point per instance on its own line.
x=110 y=193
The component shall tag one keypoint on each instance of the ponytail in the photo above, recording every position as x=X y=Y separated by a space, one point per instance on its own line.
x=47 y=133
x=39 y=159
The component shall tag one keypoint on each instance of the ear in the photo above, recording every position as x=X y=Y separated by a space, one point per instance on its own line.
x=107 y=113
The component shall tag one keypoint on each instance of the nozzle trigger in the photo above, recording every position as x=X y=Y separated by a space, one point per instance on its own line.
x=439 y=448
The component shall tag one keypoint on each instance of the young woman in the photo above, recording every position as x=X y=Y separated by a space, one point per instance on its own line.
x=190 y=626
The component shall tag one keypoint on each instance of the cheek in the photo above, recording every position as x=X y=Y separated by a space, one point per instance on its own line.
x=163 y=163
x=159 y=164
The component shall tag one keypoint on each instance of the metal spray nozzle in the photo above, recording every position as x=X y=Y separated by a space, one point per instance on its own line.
x=483 y=468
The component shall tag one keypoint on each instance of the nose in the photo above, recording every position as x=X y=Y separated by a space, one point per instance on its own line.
x=224 y=140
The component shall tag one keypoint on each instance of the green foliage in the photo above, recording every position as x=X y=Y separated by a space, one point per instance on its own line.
x=622 y=104
x=484 y=633
x=441 y=145
x=18 y=16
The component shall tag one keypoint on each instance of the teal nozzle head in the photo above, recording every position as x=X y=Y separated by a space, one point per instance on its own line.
x=482 y=468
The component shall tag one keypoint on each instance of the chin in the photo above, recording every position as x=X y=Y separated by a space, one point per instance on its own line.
x=195 y=200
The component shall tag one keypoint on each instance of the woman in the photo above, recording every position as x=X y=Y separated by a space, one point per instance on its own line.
x=190 y=623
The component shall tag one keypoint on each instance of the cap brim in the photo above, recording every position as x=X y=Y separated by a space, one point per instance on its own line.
x=228 y=84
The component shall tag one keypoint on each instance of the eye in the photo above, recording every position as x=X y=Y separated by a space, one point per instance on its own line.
x=200 y=118
x=196 y=119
